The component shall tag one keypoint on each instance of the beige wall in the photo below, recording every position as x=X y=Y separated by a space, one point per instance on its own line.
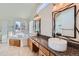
x=46 y=20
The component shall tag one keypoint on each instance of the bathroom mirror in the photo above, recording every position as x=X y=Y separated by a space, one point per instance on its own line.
x=37 y=26
x=65 y=22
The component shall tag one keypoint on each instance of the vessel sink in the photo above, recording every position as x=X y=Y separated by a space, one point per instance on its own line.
x=57 y=44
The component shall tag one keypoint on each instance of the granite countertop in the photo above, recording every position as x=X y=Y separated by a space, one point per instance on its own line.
x=71 y=51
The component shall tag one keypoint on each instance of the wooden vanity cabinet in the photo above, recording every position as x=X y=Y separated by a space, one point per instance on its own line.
x=41 y=53
x=44 y=50
x=17 y=43
x=41 y=50
x=35 y=43
x=51 y=54
x=30 y=43
x=13 y=42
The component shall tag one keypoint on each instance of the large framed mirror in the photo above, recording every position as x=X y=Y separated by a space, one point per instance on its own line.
x=65 y=22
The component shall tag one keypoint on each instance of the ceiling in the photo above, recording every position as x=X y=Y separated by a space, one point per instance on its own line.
x=22 y=10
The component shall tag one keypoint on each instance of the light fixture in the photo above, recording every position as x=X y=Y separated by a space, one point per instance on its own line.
x=37 y=18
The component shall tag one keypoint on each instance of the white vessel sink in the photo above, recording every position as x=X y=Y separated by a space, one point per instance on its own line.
x=57 y=44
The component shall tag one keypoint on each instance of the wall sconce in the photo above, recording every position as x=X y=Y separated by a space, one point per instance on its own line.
x=37 y=17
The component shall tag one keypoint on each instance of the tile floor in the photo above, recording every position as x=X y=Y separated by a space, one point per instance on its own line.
x=15 y=51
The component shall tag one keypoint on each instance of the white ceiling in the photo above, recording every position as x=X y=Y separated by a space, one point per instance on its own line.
x=23 y=10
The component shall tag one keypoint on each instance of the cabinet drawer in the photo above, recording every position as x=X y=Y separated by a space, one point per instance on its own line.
x=52 y=54
x=11 y=42
x=34 y=42
x=44 y=50
x=41 y=53
x=17 y=43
